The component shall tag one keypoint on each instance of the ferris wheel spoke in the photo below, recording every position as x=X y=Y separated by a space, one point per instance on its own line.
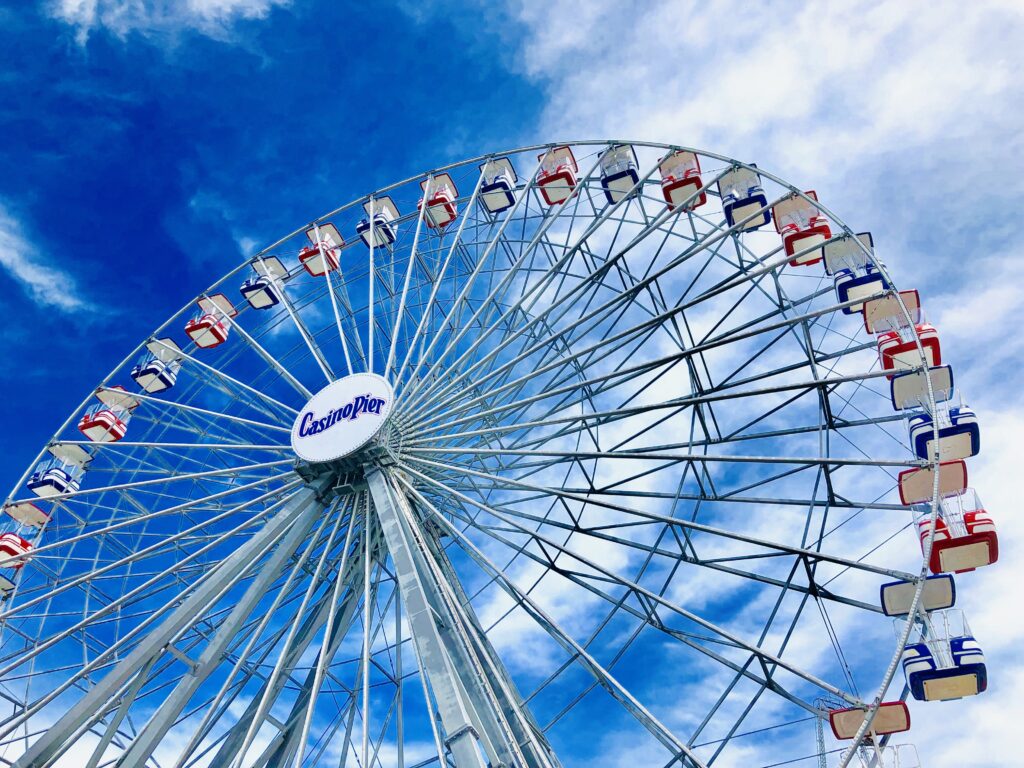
x=717 y=564
x=334 y=303
x=669 y=459
x=116 y=526
x=205 y=367
x=617 y=376
x=553 y=270
x=594 y=349
x=208 y=446
x=650 y=599
x=127 y=598
x=575 y=422
x=504 y=284
x=571 y=296
x=616 y=689
x=400 y=313
x=206 y=412
x=774 y=548
x=437 y=282
x=304 y=332
x=210 y=585
x=169 y=479
x=461 y=301
x=268 y=358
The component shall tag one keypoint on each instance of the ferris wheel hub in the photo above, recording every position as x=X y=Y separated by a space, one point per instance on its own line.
x=343 y=420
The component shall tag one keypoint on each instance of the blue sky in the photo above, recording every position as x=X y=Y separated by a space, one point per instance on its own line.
x=139 y=163
x=147 y=146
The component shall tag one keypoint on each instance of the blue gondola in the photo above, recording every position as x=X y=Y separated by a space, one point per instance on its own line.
x=52 y=478
x=962 y=674
x=743 y=197
x=383 y=231
x=260 y=292
x=264 y=289
x=155 y=375
x=497 y=190
x=858 y=284
x=60 y=473
x=959 y=434
x=619 y=174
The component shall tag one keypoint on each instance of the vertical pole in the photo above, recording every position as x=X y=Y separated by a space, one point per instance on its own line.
x=462 y=738
x=400 y=736
x=370 y=307
x=367 y=615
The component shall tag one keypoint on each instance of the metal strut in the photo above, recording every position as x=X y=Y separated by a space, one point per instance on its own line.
x=484 y=720
x=287 y=529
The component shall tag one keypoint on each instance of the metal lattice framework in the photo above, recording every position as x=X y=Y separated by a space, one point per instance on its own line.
x=634 y=502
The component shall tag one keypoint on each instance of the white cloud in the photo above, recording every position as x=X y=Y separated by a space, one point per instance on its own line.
x=906 y=117
x=213 y=18
x=47 y=285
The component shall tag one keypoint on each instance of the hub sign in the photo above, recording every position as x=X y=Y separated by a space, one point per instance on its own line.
x=342 y=417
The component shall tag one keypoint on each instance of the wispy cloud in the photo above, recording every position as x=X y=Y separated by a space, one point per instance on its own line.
x=213 y=18
x=44 y=283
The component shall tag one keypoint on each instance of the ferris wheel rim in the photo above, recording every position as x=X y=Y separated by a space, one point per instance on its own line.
x=264 y=252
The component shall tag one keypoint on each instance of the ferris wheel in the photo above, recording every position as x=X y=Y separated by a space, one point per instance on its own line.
x=574 y=455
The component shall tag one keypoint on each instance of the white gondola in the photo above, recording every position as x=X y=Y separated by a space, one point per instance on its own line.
x=943 y=661
x=108 y=421
x=557 y=177
x=497 y=190
x=910 y=389
x=886 y=312
x=383 y=212
x=157 y=369
x=965 y=534
x=891 y=717
x=915 y=485
x=263 y=290
x=6 y=587
x=441 y=208
x=619 y=174
x=211 y=326
x=323 y=254
x=847 y=252
x=802 y=226
x=27 y=514
x=937 y=594
x=743 y=199
x=681 y=184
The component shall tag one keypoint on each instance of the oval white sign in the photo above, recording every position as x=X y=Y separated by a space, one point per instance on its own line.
x=342 y=417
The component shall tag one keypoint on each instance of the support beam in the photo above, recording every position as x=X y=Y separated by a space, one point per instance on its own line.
x=473 y=712
x=289 y=525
